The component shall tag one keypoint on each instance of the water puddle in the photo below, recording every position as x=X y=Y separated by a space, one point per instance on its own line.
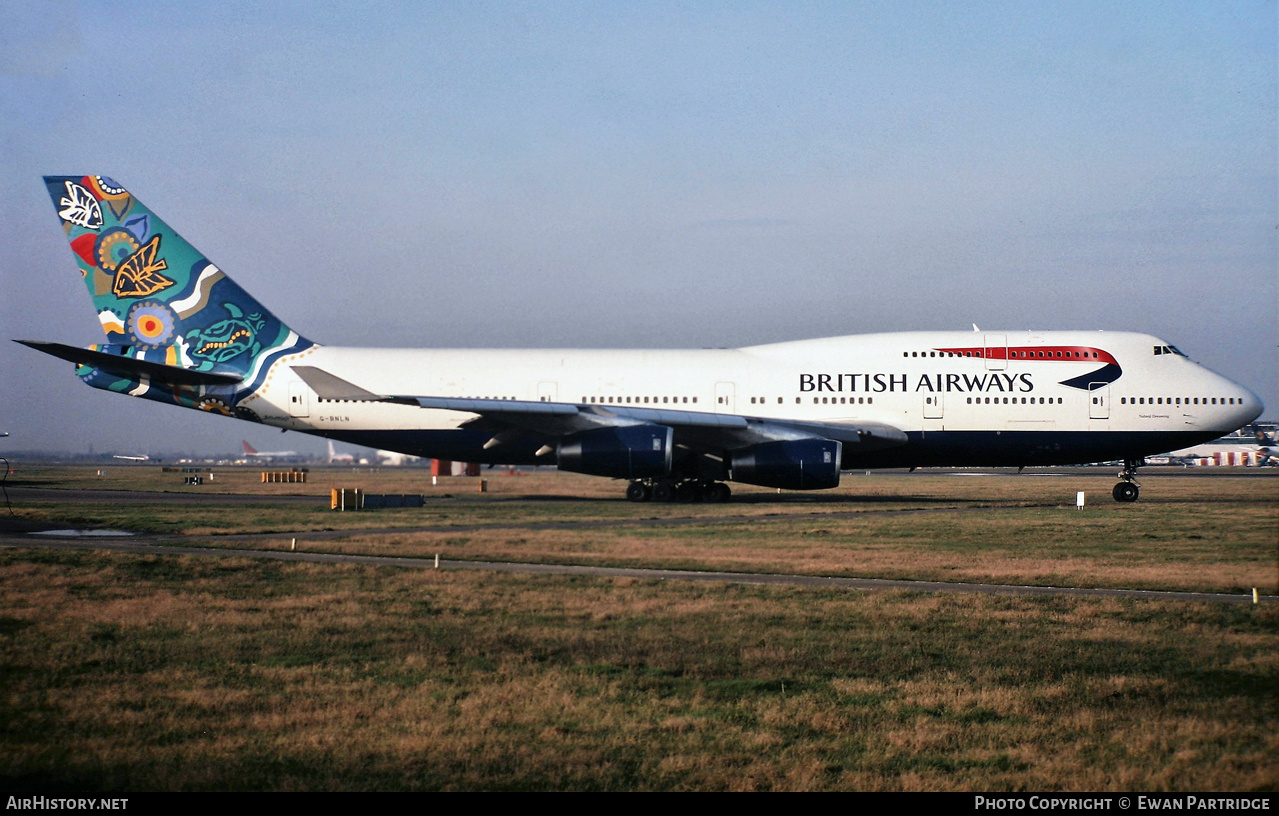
x=82 y=533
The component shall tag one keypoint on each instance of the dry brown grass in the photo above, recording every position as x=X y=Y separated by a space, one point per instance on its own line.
x=130 y=672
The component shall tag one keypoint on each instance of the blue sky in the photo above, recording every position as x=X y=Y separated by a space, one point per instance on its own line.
x=648 y=174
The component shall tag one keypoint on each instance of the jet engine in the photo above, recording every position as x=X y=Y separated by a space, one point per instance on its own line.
x=626 y=452
x=802 y=464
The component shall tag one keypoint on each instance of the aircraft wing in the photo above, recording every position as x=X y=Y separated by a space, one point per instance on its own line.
x=693 y=429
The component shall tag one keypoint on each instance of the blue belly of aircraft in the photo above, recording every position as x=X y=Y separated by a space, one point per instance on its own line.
x=1023 y=448
x=925 y=448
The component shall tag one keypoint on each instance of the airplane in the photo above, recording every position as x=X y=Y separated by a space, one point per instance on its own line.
x=250 y=451
x=1266 y=449
x=339 y=458
x=393 y=458
x=674 y=424
x=1256 y=447
x=382 y=457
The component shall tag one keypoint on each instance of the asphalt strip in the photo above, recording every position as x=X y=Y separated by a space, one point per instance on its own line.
x=94 y=543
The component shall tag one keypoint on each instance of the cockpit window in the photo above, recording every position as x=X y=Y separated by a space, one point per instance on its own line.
x=1169 y=350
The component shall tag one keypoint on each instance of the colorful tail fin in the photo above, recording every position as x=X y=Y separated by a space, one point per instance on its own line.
x=157 y=297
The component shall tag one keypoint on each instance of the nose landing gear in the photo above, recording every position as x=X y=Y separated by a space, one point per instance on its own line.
x=1128 y=489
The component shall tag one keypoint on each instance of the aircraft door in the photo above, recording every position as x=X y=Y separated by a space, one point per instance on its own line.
x=996 y=352
x=299 y=399
x=1099 y=400
x=933 y=406
x=725 y=398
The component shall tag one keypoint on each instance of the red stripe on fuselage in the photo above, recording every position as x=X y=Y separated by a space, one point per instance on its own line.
x=1043 y=354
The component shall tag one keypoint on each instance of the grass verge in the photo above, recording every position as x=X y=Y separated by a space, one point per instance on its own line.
x=127 y=672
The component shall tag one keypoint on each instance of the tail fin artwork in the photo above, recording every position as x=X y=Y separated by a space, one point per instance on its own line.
x=1266 y=445
x=178 y=330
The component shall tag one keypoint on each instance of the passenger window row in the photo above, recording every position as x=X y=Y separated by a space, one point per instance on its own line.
x=613 y=400
x=1014 y=354
x=1017 y=355
x=1180 y=401
x=322 y=399
x=1014 y=401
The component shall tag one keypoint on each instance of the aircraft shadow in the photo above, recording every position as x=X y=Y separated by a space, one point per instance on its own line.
x=756 y=499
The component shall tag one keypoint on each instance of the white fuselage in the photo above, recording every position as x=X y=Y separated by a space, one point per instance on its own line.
x=947 y=385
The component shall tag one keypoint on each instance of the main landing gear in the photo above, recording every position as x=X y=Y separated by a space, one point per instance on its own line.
x=1128 y=489
x=672 y=490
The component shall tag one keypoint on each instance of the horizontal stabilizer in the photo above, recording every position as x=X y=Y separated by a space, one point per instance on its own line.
x=328 y=387
x=131 y=366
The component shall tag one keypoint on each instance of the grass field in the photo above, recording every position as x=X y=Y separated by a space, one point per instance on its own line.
x=1202 y=534
x=138 y=672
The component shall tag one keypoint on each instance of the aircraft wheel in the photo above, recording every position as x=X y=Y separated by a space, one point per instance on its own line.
x=637 y=492
x=1125 y=492
x=663 y=492
x=717 y=492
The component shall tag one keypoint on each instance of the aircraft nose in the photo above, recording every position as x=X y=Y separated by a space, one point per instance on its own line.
x=1251 y=408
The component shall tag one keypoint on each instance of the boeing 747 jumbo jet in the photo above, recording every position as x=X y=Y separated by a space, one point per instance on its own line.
x=674 y=424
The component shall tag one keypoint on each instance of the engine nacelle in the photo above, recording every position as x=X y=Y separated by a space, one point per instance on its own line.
x=802 y=464
x=627 y=452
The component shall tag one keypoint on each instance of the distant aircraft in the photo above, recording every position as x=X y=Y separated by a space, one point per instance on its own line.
x=1255 y=447
x=140 y=458
x=339 y=458
x=1266 y=447
x=394 y=458
x=382 y=457
x=268 y=455
x=674 y=424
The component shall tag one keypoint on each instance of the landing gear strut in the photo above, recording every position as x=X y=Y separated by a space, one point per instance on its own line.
x=681 y=490
x=1128 y=489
